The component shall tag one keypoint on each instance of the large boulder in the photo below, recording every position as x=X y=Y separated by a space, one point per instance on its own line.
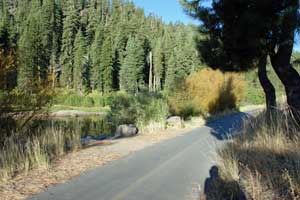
x=126 y=130
x=174 y=121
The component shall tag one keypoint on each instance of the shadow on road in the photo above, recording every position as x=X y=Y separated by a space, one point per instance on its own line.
x=217 y=189
x=227 y=127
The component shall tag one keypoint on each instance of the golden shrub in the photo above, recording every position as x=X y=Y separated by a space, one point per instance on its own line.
x=208 y=91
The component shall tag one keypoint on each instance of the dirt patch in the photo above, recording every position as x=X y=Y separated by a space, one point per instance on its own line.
x=72 y=165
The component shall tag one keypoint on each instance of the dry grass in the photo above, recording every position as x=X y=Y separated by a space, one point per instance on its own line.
x=265 y=160
x=23 y=185
x=20 y=154
x=153 y=127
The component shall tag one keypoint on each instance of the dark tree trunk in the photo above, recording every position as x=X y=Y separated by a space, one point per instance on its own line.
x=289 y=78
x=281 y=60
x=267 y=85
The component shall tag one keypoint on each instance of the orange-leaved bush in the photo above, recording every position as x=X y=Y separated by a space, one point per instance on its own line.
x=207 y=91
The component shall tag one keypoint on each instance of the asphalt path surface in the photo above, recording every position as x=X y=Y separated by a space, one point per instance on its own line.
x=172 y=170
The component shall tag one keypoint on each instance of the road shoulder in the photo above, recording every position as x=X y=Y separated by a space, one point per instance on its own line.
x=100 y=153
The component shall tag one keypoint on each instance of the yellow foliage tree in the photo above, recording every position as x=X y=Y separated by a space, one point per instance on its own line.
x=208 y=91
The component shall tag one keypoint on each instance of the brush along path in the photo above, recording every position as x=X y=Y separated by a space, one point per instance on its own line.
x=97 y=154
x=169 y=170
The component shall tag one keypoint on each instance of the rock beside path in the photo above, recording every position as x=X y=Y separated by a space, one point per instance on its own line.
x=126 y=130
x=175 y=122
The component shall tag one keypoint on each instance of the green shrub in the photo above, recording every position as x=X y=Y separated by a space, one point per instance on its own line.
x=4 y=101
x=123 y=108
x=17 y=100
x=156 y=110
x=254 y=92
x=254 y=95
x=98 y=99
x=188 y=111
x=73 y=100
x=87 y=101
x=140 y=109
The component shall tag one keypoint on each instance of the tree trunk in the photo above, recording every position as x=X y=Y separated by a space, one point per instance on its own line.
x=281 y=60
x=151 y=73
x=289 y=78
x=269 y=89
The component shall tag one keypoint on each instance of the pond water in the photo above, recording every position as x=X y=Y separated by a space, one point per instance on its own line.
x=94 y=126
x=43 y=140
x=84 y=126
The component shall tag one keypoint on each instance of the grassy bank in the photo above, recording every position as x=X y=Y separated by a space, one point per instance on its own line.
x=19 y=154
x=37 y=145
x=263 y=163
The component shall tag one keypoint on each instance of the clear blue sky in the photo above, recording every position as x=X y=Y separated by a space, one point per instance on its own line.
x=169 y=10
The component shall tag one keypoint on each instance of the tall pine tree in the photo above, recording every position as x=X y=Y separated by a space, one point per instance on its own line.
x=70 y=27
x=131 y=73
x=107 y=65
x=33 y=51
x=96 y=76
x=171 y=73
x=80 y=63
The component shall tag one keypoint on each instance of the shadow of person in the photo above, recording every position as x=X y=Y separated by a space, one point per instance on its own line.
x=217 y=189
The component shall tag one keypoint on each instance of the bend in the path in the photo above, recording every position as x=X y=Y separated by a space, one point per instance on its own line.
x=169 y=170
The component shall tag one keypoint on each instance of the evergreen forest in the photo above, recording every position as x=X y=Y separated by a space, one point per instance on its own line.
x=95 y=45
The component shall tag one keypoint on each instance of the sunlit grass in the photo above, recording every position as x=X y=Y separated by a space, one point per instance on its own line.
x=21 y=154
x=265 y=159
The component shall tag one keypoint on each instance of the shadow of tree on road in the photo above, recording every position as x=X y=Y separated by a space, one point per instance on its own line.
x=228 y=127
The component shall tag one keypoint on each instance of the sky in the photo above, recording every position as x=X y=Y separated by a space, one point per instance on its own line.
x=169 y=10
